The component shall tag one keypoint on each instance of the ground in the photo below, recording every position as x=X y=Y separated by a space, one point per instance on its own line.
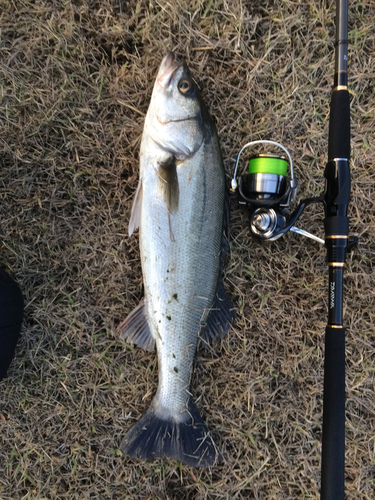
x=75 y=83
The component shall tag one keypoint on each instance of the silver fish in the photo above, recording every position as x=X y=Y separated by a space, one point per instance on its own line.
x=179 y=207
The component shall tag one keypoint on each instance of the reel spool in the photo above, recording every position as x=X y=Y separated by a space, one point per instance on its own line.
x=265 y=180
x=267 y=191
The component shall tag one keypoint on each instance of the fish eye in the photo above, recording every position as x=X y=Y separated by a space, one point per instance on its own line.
x=185 y=86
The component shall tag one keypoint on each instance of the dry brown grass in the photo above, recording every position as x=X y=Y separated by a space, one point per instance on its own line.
x=75 y=82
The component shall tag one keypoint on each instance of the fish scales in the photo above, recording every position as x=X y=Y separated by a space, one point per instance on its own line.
x=179 y=207
x=181 y=251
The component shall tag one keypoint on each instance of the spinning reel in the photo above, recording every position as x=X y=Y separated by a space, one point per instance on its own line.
x=267 y=191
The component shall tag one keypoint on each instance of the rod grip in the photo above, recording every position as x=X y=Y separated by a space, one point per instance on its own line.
x=339 y=126
x=337 y=225
x=333 y=441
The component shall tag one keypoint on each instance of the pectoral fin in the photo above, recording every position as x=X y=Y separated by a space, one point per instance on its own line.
x=135 y=214
x=168 y=183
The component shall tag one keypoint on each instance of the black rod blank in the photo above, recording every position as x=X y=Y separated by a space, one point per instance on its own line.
x=333 y=443
x=336 y=223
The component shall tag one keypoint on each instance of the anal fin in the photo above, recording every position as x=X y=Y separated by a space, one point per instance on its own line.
x=135 y=330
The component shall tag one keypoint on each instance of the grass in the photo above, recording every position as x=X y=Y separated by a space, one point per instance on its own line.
x=75 y=83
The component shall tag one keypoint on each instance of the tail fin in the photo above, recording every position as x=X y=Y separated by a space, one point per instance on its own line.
x=188 y=441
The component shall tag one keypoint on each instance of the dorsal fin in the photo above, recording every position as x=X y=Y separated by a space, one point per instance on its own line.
x=219 y=318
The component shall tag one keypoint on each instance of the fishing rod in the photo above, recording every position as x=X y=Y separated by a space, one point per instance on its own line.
x=267 y=191
x=336 y=225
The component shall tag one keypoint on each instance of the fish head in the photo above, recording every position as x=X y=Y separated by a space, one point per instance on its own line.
x=176 y=118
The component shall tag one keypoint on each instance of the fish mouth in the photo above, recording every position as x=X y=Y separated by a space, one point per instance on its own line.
x=167 y=69
x=177 y=120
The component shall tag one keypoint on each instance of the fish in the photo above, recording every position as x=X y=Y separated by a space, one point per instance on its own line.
x=181 y=209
